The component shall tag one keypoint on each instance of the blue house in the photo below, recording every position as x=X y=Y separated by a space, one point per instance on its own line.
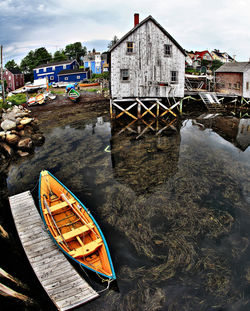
x=94 y=61
x=51 y=70
x=73 y=75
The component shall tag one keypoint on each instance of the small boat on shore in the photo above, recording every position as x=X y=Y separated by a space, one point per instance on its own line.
x=40 y=99
x=72 y=227
x=89 y=84
x=73 y=95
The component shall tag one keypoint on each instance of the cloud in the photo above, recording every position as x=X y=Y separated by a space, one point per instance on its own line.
x=29 y=24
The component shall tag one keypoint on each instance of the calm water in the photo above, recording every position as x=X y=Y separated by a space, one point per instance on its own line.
x=175 y=210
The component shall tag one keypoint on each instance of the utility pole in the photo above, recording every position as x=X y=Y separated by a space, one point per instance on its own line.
x=2 y=78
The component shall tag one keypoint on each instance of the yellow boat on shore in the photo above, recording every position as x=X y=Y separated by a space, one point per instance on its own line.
x=72 y=227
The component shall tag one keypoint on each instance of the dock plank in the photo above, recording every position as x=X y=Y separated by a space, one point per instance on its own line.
x=58 y=277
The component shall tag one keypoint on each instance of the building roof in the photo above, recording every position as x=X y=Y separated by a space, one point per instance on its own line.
x=63 y=62
x=202 y=53
x=15 y=71
x=234 y=67
x=139 y=25
x=72 y=71
x=221 y=54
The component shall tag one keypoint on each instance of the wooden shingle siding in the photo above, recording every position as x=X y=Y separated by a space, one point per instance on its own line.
x=148 y=65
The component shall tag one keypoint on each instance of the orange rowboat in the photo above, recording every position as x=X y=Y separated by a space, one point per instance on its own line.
x=72 y=227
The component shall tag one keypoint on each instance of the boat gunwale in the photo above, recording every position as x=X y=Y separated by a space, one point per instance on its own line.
x=113 y=276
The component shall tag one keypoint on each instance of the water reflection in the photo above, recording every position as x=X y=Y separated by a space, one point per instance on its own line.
x=145 y=154
x=174 y=208
x=236 y=131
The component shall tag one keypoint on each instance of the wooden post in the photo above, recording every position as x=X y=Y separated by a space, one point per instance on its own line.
x=111 y=109
x=2 y=78
x=138 y=110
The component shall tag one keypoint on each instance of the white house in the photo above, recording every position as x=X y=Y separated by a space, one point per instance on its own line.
x=147 y=62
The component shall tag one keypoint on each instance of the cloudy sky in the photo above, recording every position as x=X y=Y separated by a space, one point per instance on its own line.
x=195 y=24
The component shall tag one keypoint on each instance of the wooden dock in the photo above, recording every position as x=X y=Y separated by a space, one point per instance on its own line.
x=58 y=277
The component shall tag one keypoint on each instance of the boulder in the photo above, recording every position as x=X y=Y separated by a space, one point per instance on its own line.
x=38 y=139
x=2 y=135
x=7 y=149
x=12 y=139
x=7 y=125
x=22 y=153
x=25 y=121
x=25 y=144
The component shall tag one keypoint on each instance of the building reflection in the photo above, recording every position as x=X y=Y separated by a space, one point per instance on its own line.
x=145 y=153
x=236 y=131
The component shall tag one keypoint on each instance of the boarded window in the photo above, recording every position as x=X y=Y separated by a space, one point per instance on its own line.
x=247 y=86
x=124 y=75
x=168 y=50
x=130 y=47
x=174 y=76
x=229 y=85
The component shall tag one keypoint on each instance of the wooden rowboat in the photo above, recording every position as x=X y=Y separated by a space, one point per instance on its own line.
x=72 y=227
x=89 y=84
x=40 y=99
x=73 y=94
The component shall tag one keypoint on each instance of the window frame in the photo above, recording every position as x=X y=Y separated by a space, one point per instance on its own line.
x=170 y=47
x=130 y=49
x=122 y=75
x=176 y=80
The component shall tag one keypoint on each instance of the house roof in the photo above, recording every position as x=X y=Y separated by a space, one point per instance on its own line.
x=221 y=54
x=234 y=67
x=63 y=62
x=139 y=25
x=15 y=71
x=202 y=53
x=72 y=71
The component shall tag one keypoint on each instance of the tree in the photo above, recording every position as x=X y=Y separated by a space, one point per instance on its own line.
x=59 y=56
x=216 y=64
x=75 y=50
x=113 y=42
x=11 y=64
x=32 y=60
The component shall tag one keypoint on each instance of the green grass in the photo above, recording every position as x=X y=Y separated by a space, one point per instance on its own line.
x=17 y=99
x=91 y=90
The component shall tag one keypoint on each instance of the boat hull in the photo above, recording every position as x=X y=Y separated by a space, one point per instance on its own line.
x=72 y=227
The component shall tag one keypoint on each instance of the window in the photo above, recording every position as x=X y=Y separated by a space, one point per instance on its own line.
x=54 y=68
x=229 y=85
x=168 y=50
x=238 y=85
x=64 y=66
x=51 y=78
x=9 y=77
x=44 y=69
x=78 y=77
x=247 y=86
x=130 y=47
x=124 y=75
x=37 y=70
x=66 y=79
x=174 y=76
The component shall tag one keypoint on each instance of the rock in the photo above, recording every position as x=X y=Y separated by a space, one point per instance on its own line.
x=25 y=121
x=22 y=153
x=20 y=127
x=12 y=139
x=25 y=144
x=2 y=135
x=7 y=149
x=8 y=125
x=13 y=132
x=38 y=139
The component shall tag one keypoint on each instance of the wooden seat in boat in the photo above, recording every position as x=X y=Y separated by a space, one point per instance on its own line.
x=75 y=232
x=59 y=206
x=86 y=249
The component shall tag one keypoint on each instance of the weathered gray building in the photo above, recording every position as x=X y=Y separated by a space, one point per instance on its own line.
x=147 y=63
